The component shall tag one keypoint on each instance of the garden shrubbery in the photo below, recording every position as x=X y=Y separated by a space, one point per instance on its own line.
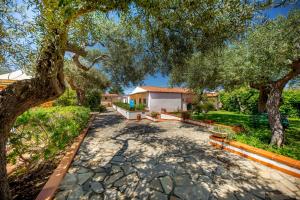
x=41 y=133
x=68 y=98
x=126 y=106
x=245 y=100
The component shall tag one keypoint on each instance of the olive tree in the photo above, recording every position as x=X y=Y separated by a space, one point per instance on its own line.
x=53 y=19
x=82 y=81
x=267 y=59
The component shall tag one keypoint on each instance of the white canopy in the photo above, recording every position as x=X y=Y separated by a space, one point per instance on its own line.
x=16 y=75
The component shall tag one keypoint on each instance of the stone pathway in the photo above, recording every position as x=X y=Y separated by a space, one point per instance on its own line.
x=122 y=159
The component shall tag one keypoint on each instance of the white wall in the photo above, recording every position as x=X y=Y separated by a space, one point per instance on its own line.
x=170 y=101
x=130 y=114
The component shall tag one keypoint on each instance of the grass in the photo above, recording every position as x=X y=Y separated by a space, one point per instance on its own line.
x=261 y=136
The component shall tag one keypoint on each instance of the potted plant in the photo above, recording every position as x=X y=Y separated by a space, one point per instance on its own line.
x=221 y=132
x=154 y=114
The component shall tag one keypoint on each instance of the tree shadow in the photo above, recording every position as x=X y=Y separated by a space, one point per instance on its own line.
x=146 y=160
x=195 y=171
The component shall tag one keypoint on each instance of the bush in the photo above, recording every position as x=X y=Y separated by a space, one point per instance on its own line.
x=126 y=106
x=68 y=98
x=244 y=100
x=204 y=107
x=185 y=115
x=93 y=100
x=291 y=103
x=154 y=114
x=41 y=133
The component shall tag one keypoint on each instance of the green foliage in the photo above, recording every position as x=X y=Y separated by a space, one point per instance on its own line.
x=68 y=98
x=126 y=106
x=244 y=100
x=291 y=103
x=93 y=100
x=265 y=55
x=41 y=133
x=154 y=114
x=204 y=107
x=261 y=136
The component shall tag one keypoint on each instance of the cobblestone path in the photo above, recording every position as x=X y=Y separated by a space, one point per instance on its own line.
x=121 y=159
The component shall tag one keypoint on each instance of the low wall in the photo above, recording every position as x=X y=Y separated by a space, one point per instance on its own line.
x=282 y=163
x=130 y=114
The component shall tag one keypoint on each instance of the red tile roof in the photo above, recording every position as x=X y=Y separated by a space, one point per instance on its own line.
x=167 y=90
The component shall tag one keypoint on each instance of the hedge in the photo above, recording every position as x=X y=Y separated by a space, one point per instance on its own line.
x=245 y=100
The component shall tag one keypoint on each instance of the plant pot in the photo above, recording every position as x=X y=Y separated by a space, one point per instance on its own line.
x=219 y=134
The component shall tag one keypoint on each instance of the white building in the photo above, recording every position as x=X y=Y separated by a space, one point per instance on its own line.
x=159 y=98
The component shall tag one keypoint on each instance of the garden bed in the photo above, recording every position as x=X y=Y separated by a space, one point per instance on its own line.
x=260 y=136
x=275 y=161
x=59 y=125
x=131 y=114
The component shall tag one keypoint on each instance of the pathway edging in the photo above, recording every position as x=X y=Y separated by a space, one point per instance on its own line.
x=282 y=163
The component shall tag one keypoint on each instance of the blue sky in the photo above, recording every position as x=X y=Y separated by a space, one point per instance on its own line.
x=163 y=81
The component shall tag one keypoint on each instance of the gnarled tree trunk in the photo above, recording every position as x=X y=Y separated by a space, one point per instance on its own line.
x=273 y=105
x=18 y=97
x=4 y=187
x=262 y=99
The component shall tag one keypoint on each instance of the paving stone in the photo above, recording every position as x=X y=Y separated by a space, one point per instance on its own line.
x=192 y=192
x=76 y=193
x=82 y=170
x=158 y=196
x=82 y=178
x=68 y=181
x=183 y=180
x=99 y=177
x=111 y=179
x=118 y=159
x=97 y=187
x=167 y=184
x=99 y=170
x=96 y=197
x=115 y=169
x=62 y=195
x=155 y=184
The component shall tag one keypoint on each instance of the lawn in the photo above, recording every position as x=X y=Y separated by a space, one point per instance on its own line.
x=259 y=137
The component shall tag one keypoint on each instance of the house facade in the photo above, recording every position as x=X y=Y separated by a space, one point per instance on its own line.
x=163 y=99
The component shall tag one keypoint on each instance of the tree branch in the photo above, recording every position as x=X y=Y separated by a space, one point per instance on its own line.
x=293 y=73
x=79 y=51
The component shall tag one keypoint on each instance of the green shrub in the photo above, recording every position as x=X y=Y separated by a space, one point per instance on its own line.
x=291 y=103
x=185 y=115
x=244 y=100
x=93 y=100
x=43 y=132
x=126 y=106
x=68 y=98
x=154 y=114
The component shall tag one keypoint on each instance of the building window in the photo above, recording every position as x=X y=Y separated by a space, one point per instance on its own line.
x=144 y=101
x=105 y=98
x=140 y=101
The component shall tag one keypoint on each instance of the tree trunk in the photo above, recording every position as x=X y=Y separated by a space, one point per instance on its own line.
x=80 y=97
x=262 y=100
x=18 y=97
x=273 y=105
x=4 y=187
